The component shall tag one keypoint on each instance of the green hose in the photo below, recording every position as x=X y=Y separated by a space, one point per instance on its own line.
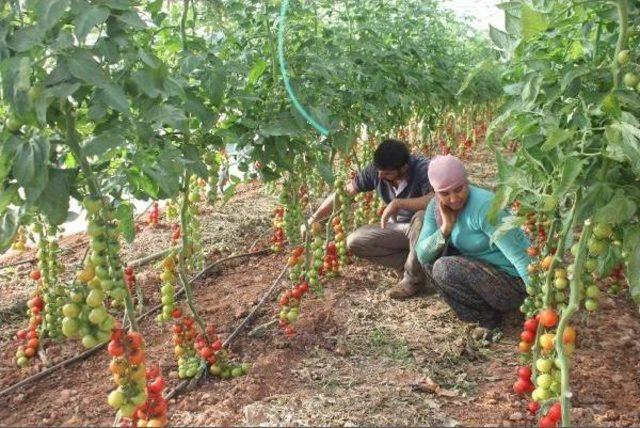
x=285 y=77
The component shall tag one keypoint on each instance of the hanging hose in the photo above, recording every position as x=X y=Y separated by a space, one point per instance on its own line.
x=285 y=77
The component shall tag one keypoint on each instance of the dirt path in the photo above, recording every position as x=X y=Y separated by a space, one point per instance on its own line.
x=359 y=358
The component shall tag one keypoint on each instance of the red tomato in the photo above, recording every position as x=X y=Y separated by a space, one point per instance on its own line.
x=533 y=407
x=115 y=348
x=527 y=336
x=29 y=352
x=531 y=325
x=206 y=352
x=289 y=331
x=548 y=318
x=35 y=275
x=177 y=313
x=546 y=422
x=21 y=334
x=521 y=386
x=128 y=271
x=217 y=345
x=136 y=357
x=555 y=412
x=33 y=343
x=524 y=372
x=156 y=386
x=134 y=339
x=296 y=293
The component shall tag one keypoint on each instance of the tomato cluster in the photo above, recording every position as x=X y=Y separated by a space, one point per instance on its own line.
x=317 y=254
x=53 y=292
x=20 y=240
x=30 y=337
x=175 y=234
x=154 y=213
x=167 y=289
x=184 y=335
x=172 y=211
x=277 y=239
x=340 y=240
x=290 y=307
x=153 y=413
x=364 y=210
x=331 y=264
x=295 y=262
x=225 y=369
x=213 y=170
x=128 y=369
x=191 y=228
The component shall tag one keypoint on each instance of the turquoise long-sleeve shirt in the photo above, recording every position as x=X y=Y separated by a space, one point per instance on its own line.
x=471 y=235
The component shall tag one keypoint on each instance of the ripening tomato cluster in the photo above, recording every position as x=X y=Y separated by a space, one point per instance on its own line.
x=154 y=214
x=290 y=307
x=295 y=262
x=340 y=240
x=364 y=209
x=184 y=335
x=331 y=264
x=30 y=337
x=277 y=239
x=128 y=369
x=553 y=416
x=20 y=241
x=153 y=413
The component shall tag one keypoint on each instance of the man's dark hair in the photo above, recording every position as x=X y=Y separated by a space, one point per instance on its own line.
x=391 y=155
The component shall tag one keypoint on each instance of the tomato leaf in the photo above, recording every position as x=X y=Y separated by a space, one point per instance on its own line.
x=533 y=22
x=115 y=98
x=82 y=66
x=49 y=12
x=166 y=114
x=103 y=142
x=88 y=19
x=133 y=20
x=26 y=38
x=619 y=210
x=555 y=138
x=54 y=200
x=571 y=170
x=126 y=222
x=9 y=226
x=256 y=71
x=30 y=163
x=624 y=144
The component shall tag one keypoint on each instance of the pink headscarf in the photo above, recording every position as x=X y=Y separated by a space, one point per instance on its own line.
x=446 y=173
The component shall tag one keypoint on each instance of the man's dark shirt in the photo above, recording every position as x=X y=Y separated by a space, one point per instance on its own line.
x=417 y=184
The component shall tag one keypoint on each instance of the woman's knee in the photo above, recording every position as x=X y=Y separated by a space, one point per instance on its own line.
x=445 y=269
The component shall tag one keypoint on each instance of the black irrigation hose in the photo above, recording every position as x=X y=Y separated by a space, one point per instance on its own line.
x=93 y=350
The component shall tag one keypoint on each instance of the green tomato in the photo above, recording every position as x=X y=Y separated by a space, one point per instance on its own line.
x=70 y=326
x=544 y=380
x=623 y=57
x=592 y=292
x=561 y=283
x=116 y=398
x=98 y=315
x=591 y=264
x=13 y=124
x=292 y=316
x=237 y=372
x=167 y=299
x=215 y=370
x=597 y=247
x=602 y=231
x=95 y=298
x=591 y=305
x=544 y=365
x=92 y=205
x=127 y=410
x=89 y=341
x=118 y=294
x=631 y=80
x=22 y=362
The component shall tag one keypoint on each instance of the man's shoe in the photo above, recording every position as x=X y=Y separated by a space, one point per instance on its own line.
x=405 y=290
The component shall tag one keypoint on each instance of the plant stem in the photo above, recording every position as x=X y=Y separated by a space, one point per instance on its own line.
x=575 y=286
x=623 y=17
x=182 y=263
x=183 y=24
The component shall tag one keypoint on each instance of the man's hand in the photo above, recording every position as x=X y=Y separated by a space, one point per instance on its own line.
x=303 y=228
x=390 y=210
x=449 y=218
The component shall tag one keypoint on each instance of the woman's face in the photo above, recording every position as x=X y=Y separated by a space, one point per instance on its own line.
x=455 y=198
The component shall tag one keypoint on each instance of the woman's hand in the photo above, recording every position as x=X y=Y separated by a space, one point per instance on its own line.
x=449 y=218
